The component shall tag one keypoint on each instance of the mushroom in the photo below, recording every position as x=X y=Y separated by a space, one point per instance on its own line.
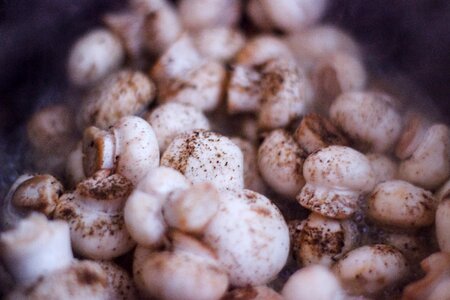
x=335 y=178
x=120 y=284
x=252 y=177
x=312 y=44
x=93 y=56
x=251 y=221
x=369 y=118
x=413 y=247
x=370 y=269
x=143 y=209
x=74 y=172
x=244 y=93
x=425 y=154
x=262 y=48
x=94 y=212
x=35 y=247
x=187 y=271
x=286 y=15
x=313 y=282
x=261 y=292
x=436 y=283
x=316 y=132
x=10 y=215
x=204 y=156
x=442 y=225
x=183 y=76
x=323 y=241
x=280 y=161
x=336 y=74
x=397 y=203
x=383 y=167
x=199 y=14
x=218 y=43
x=121 y=94
x=192 y=209
x=284 y=94
x=171 y=119
x=129 y=147
x=444 y=192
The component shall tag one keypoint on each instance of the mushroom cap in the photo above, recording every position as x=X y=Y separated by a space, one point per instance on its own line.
x=219 y=43
x=171 y=119
x=400 y=204
x=313 y=282
x=180 y=275
x=370 y=269
x=429 y=164
x=161 y=181
x=251 y=221
x=280 y=161
x=262 y=48
x=339 y=167
x=93 y=56
x=120 y=284
x=244 y=91
x=82 y=280
x=122 y=93
x=369 y=118
x=136 y=148
x=36 y=247
x=204 y=156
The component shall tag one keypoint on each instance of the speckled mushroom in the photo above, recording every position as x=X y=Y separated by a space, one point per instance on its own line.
x=129 y=147
x=399 y=204
x=244 y=90
x=369 y=118
x=123 y=93
x=368 y=270
x=204 y=156
x=335 y=178
x=94 y=212
x=251 y=221
x=280 y=161
x=261 y=292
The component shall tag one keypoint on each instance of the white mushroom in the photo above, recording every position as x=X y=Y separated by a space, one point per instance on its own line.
x=250 y=237
x=284 y=94
x=172 y=119
x=94 y=55
x=443 y=225
x=36 y=247
x=94 y=212
x=252 y=177
x=189 y=271
x=244 y=90
x=317 y=42
x=191 y=210
x=130 y=148
x=10 y=215
x=383 y=166
x=204 y=156
x=369 y=118
x=261 y=49
x=313 y=282
x=280 y=161
x=143 y=209
x=425 y=154
x=161 y=28
x=335 y=178
x=81 y=280
x=183 y=76
x=287 y=15
x=198 y=14
x=436 y=283
x=336 y=74
x=261 y=292
x=121 y=94
x=218 y=43
x=316 y=132
x=400 y=204
x=322 y=240
x=370 y=269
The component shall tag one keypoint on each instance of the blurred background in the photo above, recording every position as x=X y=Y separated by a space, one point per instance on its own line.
x=408 y=37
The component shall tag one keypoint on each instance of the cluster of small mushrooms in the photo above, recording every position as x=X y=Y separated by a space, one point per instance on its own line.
x=185 y=124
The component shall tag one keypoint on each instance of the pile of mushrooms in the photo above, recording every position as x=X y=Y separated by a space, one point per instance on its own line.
x=208 y=161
